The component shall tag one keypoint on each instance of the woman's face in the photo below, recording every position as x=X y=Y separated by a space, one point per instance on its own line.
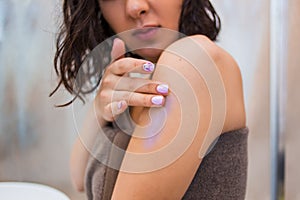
x=144 y=19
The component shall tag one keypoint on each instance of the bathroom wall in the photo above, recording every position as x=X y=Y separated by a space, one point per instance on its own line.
x=292 y=108
x=35 y=137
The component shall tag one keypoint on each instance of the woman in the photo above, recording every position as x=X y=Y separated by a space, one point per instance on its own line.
x=186 y=105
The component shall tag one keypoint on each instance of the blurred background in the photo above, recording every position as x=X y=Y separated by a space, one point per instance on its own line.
x=36 y=137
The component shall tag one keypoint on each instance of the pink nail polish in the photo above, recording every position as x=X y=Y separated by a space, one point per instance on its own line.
x=148 y=67
x=163 y=88
x=157 y=100
x=120 y=105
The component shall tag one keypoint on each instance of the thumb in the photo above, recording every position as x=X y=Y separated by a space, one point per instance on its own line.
x=118 y=49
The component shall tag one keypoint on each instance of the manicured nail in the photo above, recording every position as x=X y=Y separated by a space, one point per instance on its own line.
x=148 y=67
x=163 y=88
x=120 y=105
x=157 y=100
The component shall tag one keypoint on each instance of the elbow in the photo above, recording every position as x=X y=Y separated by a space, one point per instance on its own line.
x=77 y=181
x=78 y=186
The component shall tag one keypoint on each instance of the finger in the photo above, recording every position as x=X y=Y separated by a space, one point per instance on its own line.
x=118 y=49
x=133 y=65
x=118 y=107
x=115 y=109
x=141 y=85
x=139 y=99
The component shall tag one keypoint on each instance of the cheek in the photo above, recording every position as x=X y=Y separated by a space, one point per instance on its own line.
x=172 y=22
x=172 y=17
x=114 y=20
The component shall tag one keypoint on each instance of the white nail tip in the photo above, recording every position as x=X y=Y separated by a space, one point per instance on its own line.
x=157 y=100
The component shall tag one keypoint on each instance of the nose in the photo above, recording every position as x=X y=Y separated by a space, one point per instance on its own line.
x=137 y=8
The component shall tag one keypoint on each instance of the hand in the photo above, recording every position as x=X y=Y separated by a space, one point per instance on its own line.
x=118 y=90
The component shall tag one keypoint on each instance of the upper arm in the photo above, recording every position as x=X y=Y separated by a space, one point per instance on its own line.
x=163 y=154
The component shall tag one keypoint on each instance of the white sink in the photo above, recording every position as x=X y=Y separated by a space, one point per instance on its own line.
x=29 y=191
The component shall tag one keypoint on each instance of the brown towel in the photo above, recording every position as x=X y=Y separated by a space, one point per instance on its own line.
x=100 y=179
x=223 y=172
x=221 y=175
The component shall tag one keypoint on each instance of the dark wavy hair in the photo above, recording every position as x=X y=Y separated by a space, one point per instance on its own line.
x=84 y=27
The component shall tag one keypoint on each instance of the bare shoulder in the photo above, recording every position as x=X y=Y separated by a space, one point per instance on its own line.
x=231 y=75
x=209 y=57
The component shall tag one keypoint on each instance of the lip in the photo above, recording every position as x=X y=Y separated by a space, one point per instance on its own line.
x=146 y=32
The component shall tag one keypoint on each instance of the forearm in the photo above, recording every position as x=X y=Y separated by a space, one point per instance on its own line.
x=82 y=146
x=78 y=162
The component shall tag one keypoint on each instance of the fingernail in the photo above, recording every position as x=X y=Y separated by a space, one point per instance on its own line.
x=148 y=67
x=163 y=88
x=157 y=100
x=120 y=105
